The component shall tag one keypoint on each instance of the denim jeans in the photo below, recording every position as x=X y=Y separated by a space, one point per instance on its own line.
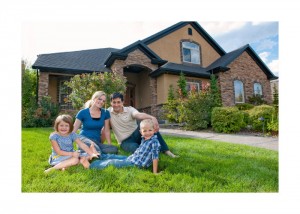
x=131 y=143
x=106 y=160
x=100 y=147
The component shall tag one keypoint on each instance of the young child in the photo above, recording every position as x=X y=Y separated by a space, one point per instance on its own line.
x=63 y=154
x=147 y=153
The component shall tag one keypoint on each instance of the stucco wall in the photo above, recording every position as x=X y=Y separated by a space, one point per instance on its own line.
x=165 y=80
x=169 y=48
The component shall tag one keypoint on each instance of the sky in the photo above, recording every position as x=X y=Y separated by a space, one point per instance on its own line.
x=51 y=37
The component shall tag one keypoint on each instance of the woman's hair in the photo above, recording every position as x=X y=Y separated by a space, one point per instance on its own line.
x=97 y=94
x=146 y=122
x=66 y=118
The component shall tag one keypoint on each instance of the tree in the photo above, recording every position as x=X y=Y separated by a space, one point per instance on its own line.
x=29 y=84
x=215 y=92
x=182 y=86
x=85 y=85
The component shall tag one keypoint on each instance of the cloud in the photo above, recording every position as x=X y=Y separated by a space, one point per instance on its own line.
x=274 y=66
x=219 y=28
x=264 y=56
x=246 y=34
x=266 y=44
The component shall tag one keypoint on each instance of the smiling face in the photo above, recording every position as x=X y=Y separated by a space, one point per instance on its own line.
x=117 y=105
x=63 y=128
x=99 y=101
x=147 y=131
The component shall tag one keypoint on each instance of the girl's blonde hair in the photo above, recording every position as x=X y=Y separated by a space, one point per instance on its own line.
x=66 y=118
x=97 y=94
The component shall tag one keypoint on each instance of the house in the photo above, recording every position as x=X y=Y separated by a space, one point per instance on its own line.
x=151 y=65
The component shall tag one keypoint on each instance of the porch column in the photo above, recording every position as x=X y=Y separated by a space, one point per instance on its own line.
x=43 y=85
x=117 y=67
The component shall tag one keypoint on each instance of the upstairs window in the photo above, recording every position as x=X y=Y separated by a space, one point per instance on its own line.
x=239 y=92
x=190 y=52
x=257 y=89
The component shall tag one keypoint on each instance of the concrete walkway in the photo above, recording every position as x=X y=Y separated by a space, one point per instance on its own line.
x=263 y=142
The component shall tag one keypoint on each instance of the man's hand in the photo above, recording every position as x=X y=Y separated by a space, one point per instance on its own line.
x=155 y=123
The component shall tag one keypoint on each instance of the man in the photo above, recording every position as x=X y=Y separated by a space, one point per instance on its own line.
x=124 y=123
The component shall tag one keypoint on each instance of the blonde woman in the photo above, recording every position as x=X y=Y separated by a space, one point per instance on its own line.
x=92 y=120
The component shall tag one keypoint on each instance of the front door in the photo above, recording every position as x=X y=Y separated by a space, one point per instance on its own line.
x=130 y=95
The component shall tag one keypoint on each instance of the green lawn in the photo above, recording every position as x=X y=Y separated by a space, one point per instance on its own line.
x=203 y=166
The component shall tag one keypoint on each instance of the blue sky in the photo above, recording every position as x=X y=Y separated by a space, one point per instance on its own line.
x=50 y=37
x=262 y=37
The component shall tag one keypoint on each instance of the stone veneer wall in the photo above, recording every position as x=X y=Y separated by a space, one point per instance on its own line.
x=43 y=85
x=246 y=70
x=137 y=57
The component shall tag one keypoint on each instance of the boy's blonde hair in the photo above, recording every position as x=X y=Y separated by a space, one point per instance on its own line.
x=147 y=122
x=66 y=118
x=97 y=94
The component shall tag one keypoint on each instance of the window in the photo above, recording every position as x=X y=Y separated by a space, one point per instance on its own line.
x=192 y=86
x=190 y=52
x=239 y=91
x=257 y=89
x=190 y=31
x=64 y=92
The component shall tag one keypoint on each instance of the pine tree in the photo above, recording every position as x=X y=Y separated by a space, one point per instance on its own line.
x=182 y=86
x=214 y=92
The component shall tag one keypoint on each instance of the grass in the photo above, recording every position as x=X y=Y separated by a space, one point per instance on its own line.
x=203 y=166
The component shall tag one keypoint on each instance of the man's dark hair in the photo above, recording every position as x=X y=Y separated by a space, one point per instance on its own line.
x=117 y=95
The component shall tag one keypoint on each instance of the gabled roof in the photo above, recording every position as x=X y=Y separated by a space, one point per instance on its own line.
x=179 y=25
x=123 y=53
x=225 y=60
x=174 y=68
x=75 y=61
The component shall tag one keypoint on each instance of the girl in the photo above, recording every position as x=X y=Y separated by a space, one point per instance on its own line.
x=63 y=154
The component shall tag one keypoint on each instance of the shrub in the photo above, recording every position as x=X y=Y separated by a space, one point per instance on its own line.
x=227 y=119
x=244 y=106
x=260 y=116
x=85 y=85
x=42 y=115
x=256 y=100
x=273 y=125
x=198 y=111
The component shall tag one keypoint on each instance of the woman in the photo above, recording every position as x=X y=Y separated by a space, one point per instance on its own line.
x=93 y=118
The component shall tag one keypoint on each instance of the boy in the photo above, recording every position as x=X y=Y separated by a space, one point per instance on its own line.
x=147 y=153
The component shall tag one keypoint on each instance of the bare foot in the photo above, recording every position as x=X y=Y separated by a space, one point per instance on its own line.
x=169 y=153
x=85 y=163
x=49 y=170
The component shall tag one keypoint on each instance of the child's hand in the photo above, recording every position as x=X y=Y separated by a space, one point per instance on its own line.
x=94 y=155
x=75 y=154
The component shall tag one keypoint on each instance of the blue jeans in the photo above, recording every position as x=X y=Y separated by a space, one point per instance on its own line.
x=133 y=142
x=100 y=147
x=106 y=160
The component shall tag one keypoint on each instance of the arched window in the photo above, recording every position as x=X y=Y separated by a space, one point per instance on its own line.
x=257 y=89
x=239 y=91
x=190 y=52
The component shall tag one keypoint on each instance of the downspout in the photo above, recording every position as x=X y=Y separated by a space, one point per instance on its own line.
x=37 y=86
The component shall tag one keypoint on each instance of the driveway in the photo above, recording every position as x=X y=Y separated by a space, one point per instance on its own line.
x=262 y=142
